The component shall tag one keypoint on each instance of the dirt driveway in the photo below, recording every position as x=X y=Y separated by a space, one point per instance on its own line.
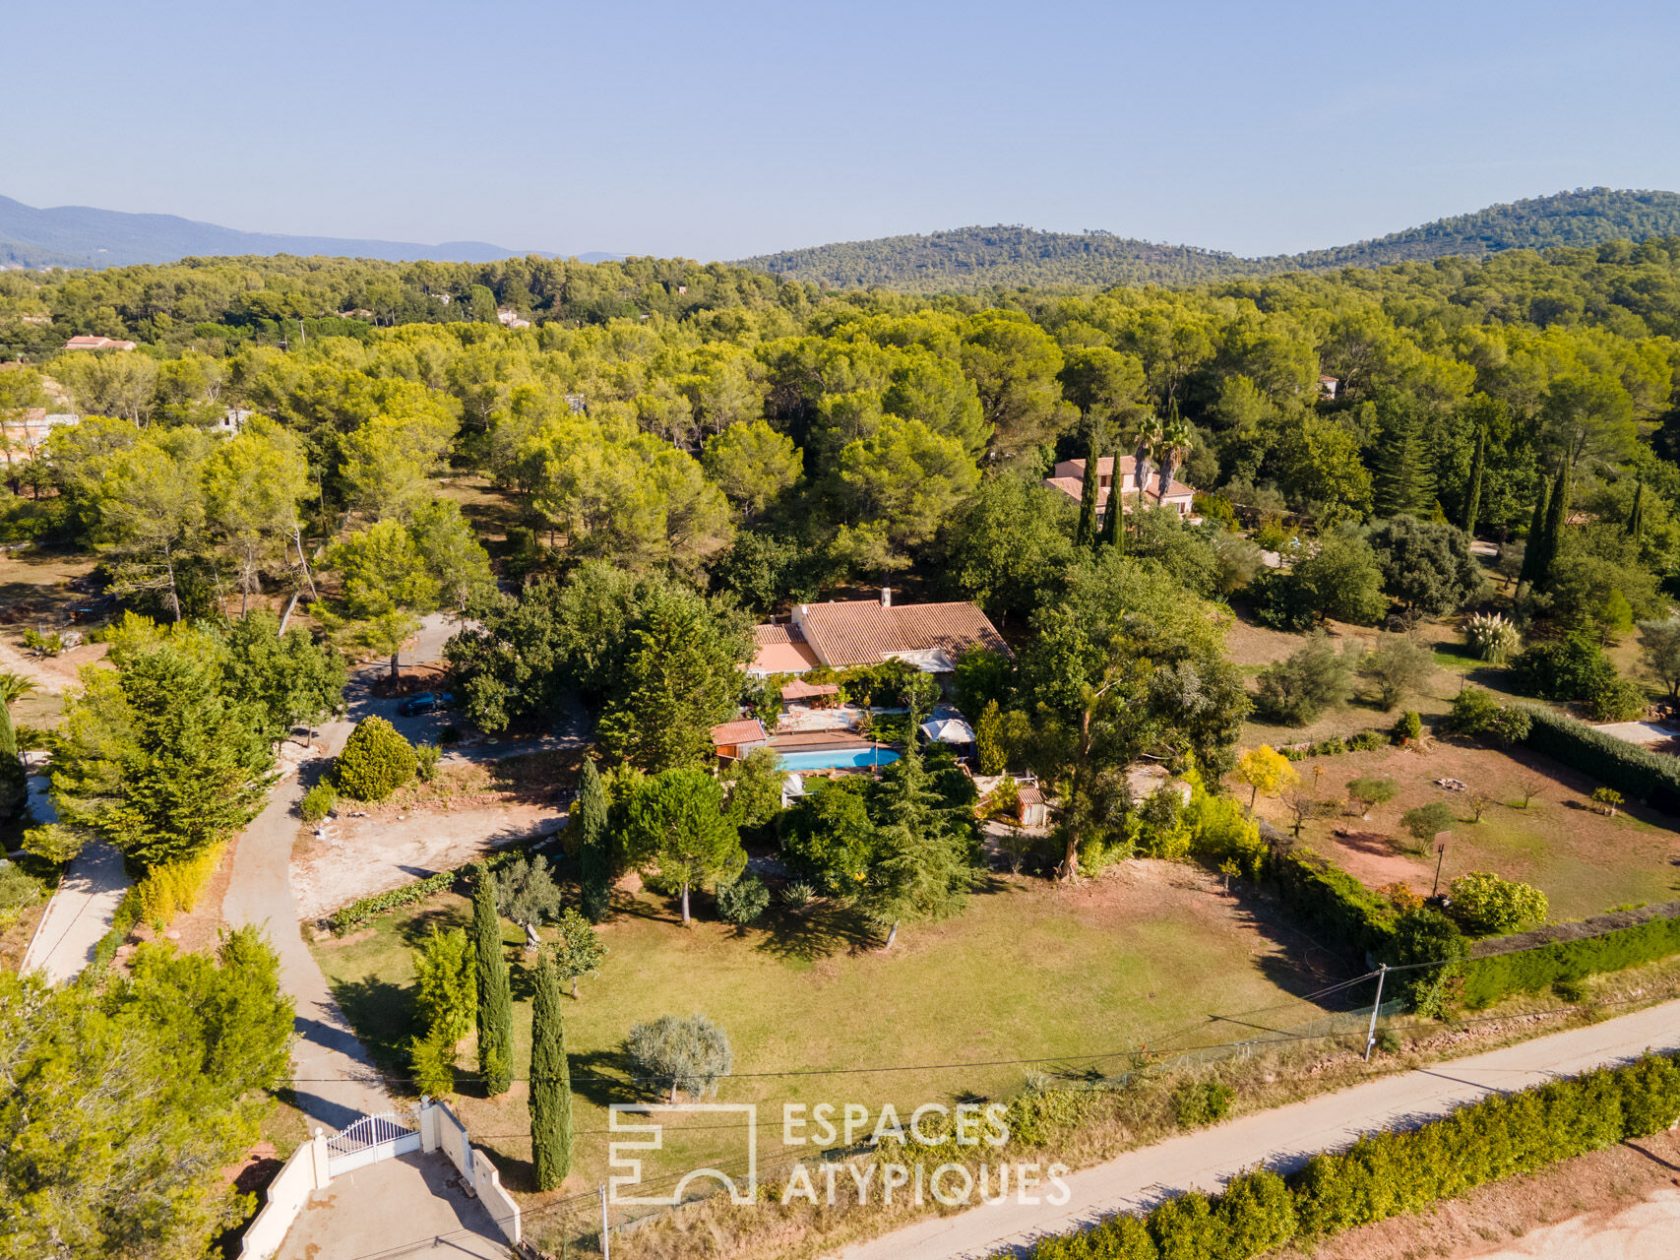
x=356 y=857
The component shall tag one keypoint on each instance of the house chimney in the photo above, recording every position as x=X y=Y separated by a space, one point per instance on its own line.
x=886 y=597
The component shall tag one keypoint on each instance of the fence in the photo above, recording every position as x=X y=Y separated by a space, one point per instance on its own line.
x=370 y=1139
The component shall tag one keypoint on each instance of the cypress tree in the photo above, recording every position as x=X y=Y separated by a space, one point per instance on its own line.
x=1557 y=513
x=495 y=996
x=589 y=816
x=1085 y=532
x=1636 y=514
x=14 y=780
x=1112 y=533
x=1473 y=493
x=551 y=1081
x=1536 y=542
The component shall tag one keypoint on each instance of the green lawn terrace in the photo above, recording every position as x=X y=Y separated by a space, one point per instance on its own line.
x=1587 y=863
x=1144 y=956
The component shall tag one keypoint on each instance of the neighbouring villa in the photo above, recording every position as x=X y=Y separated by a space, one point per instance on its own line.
x=1069 y=477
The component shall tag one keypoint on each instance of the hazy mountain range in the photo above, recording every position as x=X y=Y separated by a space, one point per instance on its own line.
x=963 y=258
x=1012 y=256
x=81 y=236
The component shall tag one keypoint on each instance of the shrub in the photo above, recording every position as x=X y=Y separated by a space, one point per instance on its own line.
x=1297 y=689
x=18 y=891
x=426 y=758
x=318 y=802
x=1608 y=800
x=172 y=888
x=1197 y=1103
x=376 y=761
x=50 y=643
x=1370 y=792
x=1367 y=741
x=54 y=842
x=1484 y=904
x=1408 y=729
x=431 y=1062
x=743 y=900
x=1397 y=667
x=1425 y=935
x=1476 y=714
x=1492 y=637
x=1426 y=821
x=1576 y=669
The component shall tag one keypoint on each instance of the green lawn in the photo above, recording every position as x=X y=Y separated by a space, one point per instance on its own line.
x=1026 y=971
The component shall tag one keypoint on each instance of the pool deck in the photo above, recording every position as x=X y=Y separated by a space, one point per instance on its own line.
x=819 y=741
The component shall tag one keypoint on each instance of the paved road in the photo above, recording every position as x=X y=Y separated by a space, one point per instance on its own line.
x=1282 y=1138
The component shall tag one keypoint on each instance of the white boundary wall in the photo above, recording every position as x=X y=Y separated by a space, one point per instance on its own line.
x=441 y=1129
x=303 y=1174
x=308 y=1171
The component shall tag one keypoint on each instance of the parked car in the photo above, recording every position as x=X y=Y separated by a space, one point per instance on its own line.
x=425 y=702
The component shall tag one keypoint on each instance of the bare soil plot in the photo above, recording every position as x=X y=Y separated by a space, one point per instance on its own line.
x=1585 y=862
x=469 y=809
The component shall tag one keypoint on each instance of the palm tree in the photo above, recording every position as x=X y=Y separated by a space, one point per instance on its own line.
x=14 y=686
x=1172 y=443
x=1145 y=432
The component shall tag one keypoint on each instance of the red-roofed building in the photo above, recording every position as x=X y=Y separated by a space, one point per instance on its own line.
x=1069 y=477
x=737 y=739
x=848 y=632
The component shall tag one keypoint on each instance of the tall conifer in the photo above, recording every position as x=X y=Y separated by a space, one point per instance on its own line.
x=1085 y=532
x=551 y=1081
x=589 y=816
x=495 y=995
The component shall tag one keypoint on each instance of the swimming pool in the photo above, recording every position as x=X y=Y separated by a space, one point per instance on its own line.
x=836 y=759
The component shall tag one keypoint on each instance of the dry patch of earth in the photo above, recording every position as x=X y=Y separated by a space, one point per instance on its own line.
x=1619 y=1204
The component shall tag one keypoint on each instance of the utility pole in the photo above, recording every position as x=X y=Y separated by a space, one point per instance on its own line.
x=1440 y=857
x=1376 y=1009
x=606 y=1238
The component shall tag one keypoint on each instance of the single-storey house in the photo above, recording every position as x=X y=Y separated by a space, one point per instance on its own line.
x=86 y=341
x=1069 y=477
x=845 y=633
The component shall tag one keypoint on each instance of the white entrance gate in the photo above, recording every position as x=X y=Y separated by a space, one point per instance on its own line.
x=369 y=1140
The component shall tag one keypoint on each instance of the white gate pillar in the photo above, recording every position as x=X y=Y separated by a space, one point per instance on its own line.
x=318 y=1160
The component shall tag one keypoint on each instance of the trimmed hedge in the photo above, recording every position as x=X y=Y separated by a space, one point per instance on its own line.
x=1638 y=773
x=1493 y=976
x=1386 y=1174
x=1334 y=905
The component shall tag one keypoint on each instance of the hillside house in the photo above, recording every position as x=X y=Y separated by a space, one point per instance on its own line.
x=845 y=633
x=83 y=341
x=1069 y=478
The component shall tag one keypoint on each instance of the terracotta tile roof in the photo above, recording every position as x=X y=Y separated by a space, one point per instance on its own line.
x=1069 y=477
x=781 y=650
x=741 y=731
x=865 y=632
x=800 y=690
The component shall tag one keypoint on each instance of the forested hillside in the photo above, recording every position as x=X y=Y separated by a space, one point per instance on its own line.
x=1015 y=257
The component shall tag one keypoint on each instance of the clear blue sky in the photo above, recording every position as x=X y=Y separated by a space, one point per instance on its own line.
x=717 y=129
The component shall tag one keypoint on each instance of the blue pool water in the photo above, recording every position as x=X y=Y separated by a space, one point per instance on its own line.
x=836 y=759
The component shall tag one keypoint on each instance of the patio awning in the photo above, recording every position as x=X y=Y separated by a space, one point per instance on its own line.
x=948 y=730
